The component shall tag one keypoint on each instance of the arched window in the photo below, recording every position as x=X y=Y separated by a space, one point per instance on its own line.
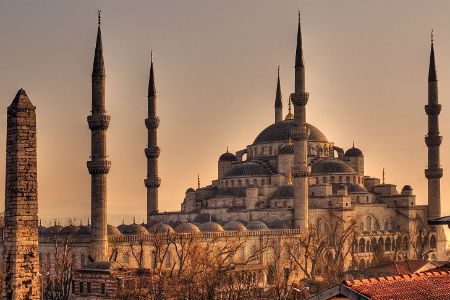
x=255 y=182
x=324 y=179
x=226 y=184
x=239 y=182
x=357 y=198
x=362 y=264
x=387 y=225
x=332 y=179
x=368 y=223
x=340 y=179
x=263 y=182
x=354 y=179
x=433 y=243
x=362 y=246
x=347 y=179
x=387 y=244
x=270 y=150
x=368 y=246
x=83 y=260
x=376 y=225
x=232 y=183
x=373 y=245
x=381 y=244
x=247 y=182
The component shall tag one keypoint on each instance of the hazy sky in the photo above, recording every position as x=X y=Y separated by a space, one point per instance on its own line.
x=215 y=67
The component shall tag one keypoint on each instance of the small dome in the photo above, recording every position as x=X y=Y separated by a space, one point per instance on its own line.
x=351 y=187
x=234 y=226
x=55 y=229
x=227 y=156
x=83 y=230
x=286 y=149
x=353 y=152
x=187 y=228
x=407 y=188
x=161 y=228
x=190 y=190
x=285 y=191
x=132 y=229
x=250 y=168
x=71 y=229
x=42 y=230
x=331 y=166
x=257 y=225
x=113 y=231
x=211 y=227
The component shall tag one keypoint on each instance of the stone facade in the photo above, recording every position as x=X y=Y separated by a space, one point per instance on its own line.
x=20 y=244
x=98 y=166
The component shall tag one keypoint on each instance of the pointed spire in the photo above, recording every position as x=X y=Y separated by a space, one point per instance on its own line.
x=21 y=100
x=151 y=81
x=383 y=175
x=432 y=68
x=299 y=51
x=278 y=97
x=99 y=65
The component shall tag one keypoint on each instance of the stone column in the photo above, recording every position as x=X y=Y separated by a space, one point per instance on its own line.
x=20 y=249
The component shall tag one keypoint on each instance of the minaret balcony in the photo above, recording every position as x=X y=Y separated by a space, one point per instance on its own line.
x=433 y=109
x=152 y=122
x=99 y=166
x=152 y=152
x=301 y=171
x=434 y=173
x=433 y=140
x=299 y=99
x=152 y=182
x=98 y=122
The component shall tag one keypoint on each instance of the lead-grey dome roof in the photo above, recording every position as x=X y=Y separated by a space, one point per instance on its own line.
x=331 y=166
x=353 y=152
x=187 y=228
x=352 y=188
x=113 y=231
x=227 y=156
x=250 y=168
x=257 y=225
x=132 y=229
x=234 y=226
x=285 y=191
x=280 y=132
x=160 y=228
x=211 y=227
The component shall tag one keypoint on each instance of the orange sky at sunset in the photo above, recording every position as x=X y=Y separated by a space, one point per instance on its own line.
x=215 y=68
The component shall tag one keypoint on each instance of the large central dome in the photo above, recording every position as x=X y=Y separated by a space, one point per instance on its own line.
x=280 y=132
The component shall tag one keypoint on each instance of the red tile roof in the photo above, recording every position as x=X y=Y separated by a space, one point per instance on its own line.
x=417 y=286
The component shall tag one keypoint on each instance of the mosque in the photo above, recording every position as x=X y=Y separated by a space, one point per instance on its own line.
x=286 y=179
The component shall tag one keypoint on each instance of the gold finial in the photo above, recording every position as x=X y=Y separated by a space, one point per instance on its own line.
x=198 y=180
x=289 y=116
x=432 y=36
x=151 y=55
x=353 y=144
x=383 y=175
x=227 y=149
x=134 y=220
x=99 y=11
x=290 y=141
x=290 y=177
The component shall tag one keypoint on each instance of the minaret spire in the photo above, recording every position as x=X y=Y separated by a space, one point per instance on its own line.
x=98 y=166
x=152 y=182
x=278 y=101
x=300 y=135
x=433 y=140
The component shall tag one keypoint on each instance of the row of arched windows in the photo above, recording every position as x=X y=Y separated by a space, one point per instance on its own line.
x=313 y=150
x=388 y=244
x=244 y=182
x=340 y=179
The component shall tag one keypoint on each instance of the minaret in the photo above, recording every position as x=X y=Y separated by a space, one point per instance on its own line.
x=98 y=166
x=300 y=135
x=152 y=182
x=20 y=258
x=433 y=140
x=278 y=101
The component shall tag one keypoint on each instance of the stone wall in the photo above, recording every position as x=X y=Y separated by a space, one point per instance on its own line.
x=20 y=252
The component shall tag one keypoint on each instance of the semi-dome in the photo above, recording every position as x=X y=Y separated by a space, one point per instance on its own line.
x=132 y=229
x=55 y=229
x=331 y=166
x=250 y=168
x=227 y=156
x=286 y=149
x=280 y=132
x=211 y=227
x=187 y=228
x=257 y=225
x=353 y=152
x=234 y=226
x=113 y=231
x=161 y=228
x=285 y=191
